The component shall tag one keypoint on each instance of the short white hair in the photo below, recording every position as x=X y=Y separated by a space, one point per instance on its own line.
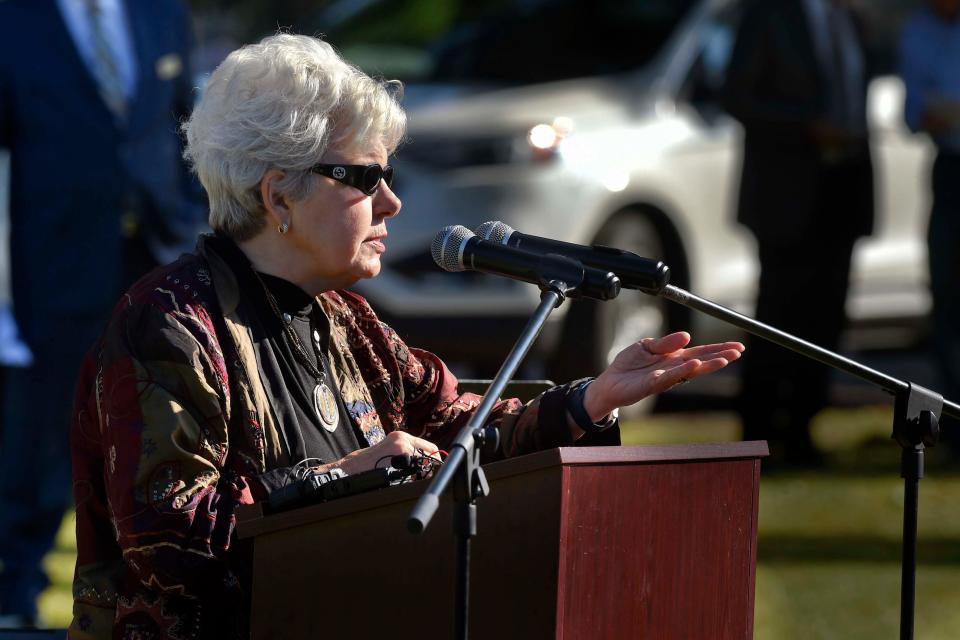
x=281 y=104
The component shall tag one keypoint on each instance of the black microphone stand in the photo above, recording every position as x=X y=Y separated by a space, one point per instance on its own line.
x=558 y=276
x=916 y=424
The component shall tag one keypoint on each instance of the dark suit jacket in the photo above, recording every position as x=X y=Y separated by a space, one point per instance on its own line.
x=776 y=88
x=74 y=170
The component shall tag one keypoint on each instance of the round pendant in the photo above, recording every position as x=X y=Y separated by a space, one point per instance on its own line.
x=325 y=403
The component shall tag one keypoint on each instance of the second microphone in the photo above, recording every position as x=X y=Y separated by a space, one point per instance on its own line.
x=456 y=248
x=635 y=272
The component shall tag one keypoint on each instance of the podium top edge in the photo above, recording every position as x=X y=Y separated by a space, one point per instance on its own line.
x=634 y=454
x=664 y=452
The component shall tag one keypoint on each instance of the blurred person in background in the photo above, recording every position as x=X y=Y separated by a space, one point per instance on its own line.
x=930 y=68
x=797 y=82
x=90 y=96
x=228 y=374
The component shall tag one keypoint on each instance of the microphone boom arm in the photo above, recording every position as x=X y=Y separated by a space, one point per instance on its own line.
x=888 y=383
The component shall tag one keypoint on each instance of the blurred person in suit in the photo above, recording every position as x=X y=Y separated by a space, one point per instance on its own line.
x=797 y=81
x=91 y=92
x=930 y=67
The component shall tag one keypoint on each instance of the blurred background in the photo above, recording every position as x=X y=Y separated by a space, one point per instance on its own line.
x=603 y=123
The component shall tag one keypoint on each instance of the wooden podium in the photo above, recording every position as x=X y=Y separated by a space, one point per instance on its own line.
x=603 y=542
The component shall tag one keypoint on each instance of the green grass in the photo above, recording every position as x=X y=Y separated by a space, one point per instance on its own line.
x=57 y=601
x=829 y=540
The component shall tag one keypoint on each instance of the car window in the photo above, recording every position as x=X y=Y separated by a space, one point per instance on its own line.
x=502 y=41
x=558 y=39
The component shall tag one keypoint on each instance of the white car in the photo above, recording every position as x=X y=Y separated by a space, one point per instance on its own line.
x=644 y=161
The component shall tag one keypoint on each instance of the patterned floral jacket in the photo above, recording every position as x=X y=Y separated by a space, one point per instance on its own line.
x=172 y=428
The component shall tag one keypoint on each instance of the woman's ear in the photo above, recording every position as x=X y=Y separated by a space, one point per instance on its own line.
x=275 y=202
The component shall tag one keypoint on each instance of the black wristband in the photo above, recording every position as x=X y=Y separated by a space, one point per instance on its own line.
x=579 y=412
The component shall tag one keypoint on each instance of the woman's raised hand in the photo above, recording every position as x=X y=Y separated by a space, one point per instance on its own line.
x=654 y=365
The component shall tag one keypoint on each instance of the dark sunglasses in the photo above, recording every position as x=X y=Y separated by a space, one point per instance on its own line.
x=365 y=177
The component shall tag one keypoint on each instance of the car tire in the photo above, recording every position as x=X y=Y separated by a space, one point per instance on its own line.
x=595 y=332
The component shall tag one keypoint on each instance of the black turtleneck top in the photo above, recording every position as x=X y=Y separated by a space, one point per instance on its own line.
x=288 y=383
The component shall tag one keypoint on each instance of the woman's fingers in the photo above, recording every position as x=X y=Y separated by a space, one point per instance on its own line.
x=674 y=344
x=709 y=366
x=712 y=361
x=643 y=355
x=685 y=371
x=699 y=351
x=727 y=354
x=678 y=359
x=666 y=344
x=665 y=378
x=419 y=444
x=403 y=442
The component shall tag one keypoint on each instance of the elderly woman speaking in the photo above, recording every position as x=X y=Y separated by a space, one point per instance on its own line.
x=222 y=375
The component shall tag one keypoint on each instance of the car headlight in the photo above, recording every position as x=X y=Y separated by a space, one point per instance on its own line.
x=539 y=143
x=543 y=140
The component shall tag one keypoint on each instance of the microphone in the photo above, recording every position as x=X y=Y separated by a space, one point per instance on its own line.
x=649 y=276
x=456 y=248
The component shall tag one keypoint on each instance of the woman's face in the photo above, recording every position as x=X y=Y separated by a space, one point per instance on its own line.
x=341 y=230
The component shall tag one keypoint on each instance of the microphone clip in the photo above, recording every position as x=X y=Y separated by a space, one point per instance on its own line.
x=564 y=277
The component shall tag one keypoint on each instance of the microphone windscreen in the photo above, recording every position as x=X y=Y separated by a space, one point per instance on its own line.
x=495 y=231
x=447 y=247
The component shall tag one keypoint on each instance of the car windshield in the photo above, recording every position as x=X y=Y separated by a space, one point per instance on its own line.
x=501 y=42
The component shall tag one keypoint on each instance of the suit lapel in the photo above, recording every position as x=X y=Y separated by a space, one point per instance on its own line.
x=73 y=63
